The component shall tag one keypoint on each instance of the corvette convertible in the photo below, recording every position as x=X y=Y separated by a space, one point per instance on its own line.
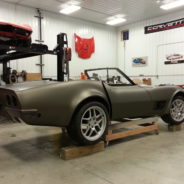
x=86 y=107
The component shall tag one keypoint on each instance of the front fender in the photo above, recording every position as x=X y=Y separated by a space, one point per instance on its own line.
x=177 y=92
x=93 y=92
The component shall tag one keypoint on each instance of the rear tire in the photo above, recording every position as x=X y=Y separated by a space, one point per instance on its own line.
x=89 y=124
x=176 y=112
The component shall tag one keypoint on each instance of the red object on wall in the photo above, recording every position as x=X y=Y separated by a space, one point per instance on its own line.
x=181 y=85
x=84 y=47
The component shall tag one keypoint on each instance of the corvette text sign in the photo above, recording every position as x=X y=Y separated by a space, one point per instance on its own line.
x=164 y=26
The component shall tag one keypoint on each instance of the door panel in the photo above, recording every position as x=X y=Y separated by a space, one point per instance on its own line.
x=130 y=101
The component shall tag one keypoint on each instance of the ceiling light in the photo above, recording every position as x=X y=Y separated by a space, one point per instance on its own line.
x=160 y=1
x=70 y=9
x=171 y=5
x=115 y=21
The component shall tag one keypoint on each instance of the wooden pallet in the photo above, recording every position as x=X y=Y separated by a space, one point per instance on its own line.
x=70 y=151
x=121 y=130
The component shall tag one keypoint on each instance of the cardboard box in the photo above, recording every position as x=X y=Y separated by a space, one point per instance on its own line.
x=33 y=76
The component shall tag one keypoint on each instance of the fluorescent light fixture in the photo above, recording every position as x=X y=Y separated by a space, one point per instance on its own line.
x=70 y=9
x=115 y=21
x=172 y=5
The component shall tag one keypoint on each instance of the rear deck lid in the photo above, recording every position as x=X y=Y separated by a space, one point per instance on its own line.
x=27 y=85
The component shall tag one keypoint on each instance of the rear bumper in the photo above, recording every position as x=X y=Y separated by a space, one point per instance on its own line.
x=19 y=114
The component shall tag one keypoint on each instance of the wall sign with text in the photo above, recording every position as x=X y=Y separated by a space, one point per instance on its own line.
x=164 y=26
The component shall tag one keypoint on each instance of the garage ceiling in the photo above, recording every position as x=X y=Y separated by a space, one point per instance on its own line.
x=99 y=10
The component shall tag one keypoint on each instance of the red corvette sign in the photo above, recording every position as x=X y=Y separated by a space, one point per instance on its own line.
x=164 y=26
x=84 y=47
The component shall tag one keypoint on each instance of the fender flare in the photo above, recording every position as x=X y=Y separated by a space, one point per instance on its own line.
x=177 y=92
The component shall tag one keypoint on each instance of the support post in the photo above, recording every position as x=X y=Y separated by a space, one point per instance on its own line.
x=62 y=42
x=39 y=16
x=6 y=72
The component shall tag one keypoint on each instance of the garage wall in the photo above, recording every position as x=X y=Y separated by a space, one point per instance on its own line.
x=105 y=43
x=105 y=39
x=156 y=46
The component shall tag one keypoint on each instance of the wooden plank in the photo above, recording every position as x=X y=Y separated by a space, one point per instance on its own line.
x=72 y=152
x=132 y=123
x=33 y=76
x=131 y=132
x=109 y=132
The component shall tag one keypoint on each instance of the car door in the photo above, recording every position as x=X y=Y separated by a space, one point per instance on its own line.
x=130 y=101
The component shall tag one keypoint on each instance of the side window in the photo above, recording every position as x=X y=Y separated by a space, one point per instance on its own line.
x=99 y=75
x=116 y=78
x=110 y=76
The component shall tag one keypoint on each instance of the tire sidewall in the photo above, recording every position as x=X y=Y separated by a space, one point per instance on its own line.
x=77 y=123
x=170 y=119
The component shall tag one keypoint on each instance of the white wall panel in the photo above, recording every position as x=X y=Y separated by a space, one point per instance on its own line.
x=53 y=24
x=155 y=46
x=105 y=43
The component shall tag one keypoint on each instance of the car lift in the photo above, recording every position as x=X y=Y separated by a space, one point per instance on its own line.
x=61 y=50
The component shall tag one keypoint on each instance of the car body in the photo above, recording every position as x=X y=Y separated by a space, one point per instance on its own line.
x=15 y=35
x=110 y=97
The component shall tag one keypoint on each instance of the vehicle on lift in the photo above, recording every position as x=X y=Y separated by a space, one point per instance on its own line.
x=86 y=107
x=15 y=35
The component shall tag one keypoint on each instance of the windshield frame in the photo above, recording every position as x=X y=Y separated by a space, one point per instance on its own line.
x=107 y=69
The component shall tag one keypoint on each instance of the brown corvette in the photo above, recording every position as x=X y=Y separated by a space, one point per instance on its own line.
x=86 y=107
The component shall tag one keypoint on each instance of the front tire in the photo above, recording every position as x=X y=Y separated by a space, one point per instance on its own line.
x=89 y=123
x=176 y=112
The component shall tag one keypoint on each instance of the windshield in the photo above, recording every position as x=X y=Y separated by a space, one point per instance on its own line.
x=111 y=76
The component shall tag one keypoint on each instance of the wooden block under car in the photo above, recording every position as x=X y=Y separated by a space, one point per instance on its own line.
x=33 y=76
x=174 y=128
x=72 y=152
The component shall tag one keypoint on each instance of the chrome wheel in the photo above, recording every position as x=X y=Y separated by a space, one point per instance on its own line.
x=93 y=123
x=177 y=110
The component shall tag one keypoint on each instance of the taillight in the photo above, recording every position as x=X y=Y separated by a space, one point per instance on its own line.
x=8 y=100
x=14 y=100
x=11 y=100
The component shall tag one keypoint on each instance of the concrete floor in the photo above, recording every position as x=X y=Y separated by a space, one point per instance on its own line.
x=29 y=155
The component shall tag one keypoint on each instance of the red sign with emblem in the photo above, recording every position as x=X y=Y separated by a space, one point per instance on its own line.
x=84 y=47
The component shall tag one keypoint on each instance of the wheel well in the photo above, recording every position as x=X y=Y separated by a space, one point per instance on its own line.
x=179 y=94
x=91 y=99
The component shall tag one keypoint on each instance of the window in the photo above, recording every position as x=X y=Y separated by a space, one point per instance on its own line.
x=111 y=76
